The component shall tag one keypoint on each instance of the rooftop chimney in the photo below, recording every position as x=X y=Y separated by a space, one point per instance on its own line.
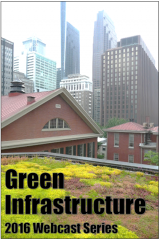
x=17 y=87
x=131 y=119
x=30 y=100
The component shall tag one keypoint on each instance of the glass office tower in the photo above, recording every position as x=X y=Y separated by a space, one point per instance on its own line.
x=104 y=38
x=34 y=44
x=70 y=46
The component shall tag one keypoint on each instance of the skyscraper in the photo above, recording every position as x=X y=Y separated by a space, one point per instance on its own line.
x=70 y=46
x=63 y=38
x=129 y=82
x=59 y=72
x=33 y=63
x=72 y=61
x=104 y=38
x=7 y=54
x=34 y=44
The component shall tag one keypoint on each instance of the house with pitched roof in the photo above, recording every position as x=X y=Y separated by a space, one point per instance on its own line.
x=129 y=142
x=49 y=121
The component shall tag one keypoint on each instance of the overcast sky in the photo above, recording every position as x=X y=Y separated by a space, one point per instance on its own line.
x=21 y=20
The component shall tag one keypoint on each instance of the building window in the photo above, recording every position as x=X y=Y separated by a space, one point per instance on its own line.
x=116 y=140
x=90 y=149
x=81 y=150
x=58 y=150
x=56 y=124
x=131 y=158
x=131 y=140
x=69 y=150
x=116 y=157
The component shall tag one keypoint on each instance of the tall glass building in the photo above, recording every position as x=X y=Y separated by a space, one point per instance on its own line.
x=37 y=68
x=72 y=59
x=104 y=38
x=70 y=46
x=63 y=38
x=34 y=44
x=42 y=71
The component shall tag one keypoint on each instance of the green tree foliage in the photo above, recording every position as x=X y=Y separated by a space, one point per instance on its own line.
x=152 y=157
x=115 y=121
x=111 y=123
x=100 y=156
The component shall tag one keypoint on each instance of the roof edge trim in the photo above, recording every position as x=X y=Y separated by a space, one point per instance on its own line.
x=41 y=141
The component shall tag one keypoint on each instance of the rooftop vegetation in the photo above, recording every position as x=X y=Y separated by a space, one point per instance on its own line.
x=84 y=181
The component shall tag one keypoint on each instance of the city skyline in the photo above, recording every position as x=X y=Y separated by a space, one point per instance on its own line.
x=21 y=25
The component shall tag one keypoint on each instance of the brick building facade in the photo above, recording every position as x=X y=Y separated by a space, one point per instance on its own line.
x=47 y=121
x=129 y=142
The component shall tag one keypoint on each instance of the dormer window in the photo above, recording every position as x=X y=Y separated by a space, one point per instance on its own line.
x=56 y=124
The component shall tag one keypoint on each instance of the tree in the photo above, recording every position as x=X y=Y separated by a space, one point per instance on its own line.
x=115 y=121
x=111 y=123
x=152 y=157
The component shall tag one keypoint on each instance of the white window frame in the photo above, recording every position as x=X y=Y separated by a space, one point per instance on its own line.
x=116 y=155
x=55 y=129
x=129 y=156
x=131 y=140
x=116 y=141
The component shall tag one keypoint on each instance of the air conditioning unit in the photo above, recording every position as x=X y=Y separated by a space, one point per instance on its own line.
x=144 y=124
x=151 y=125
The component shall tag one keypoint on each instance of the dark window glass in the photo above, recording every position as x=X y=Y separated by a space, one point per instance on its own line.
x=66 y=125
x=53 y=123
x=46 y=126
x=60 y=123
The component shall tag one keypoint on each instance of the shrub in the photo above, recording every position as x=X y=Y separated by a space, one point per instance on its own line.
x=100 y=156
x=139 y=174
x=152 y=157
x=151 y=187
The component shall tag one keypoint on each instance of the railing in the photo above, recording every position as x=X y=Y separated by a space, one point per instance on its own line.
x=94 y=161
